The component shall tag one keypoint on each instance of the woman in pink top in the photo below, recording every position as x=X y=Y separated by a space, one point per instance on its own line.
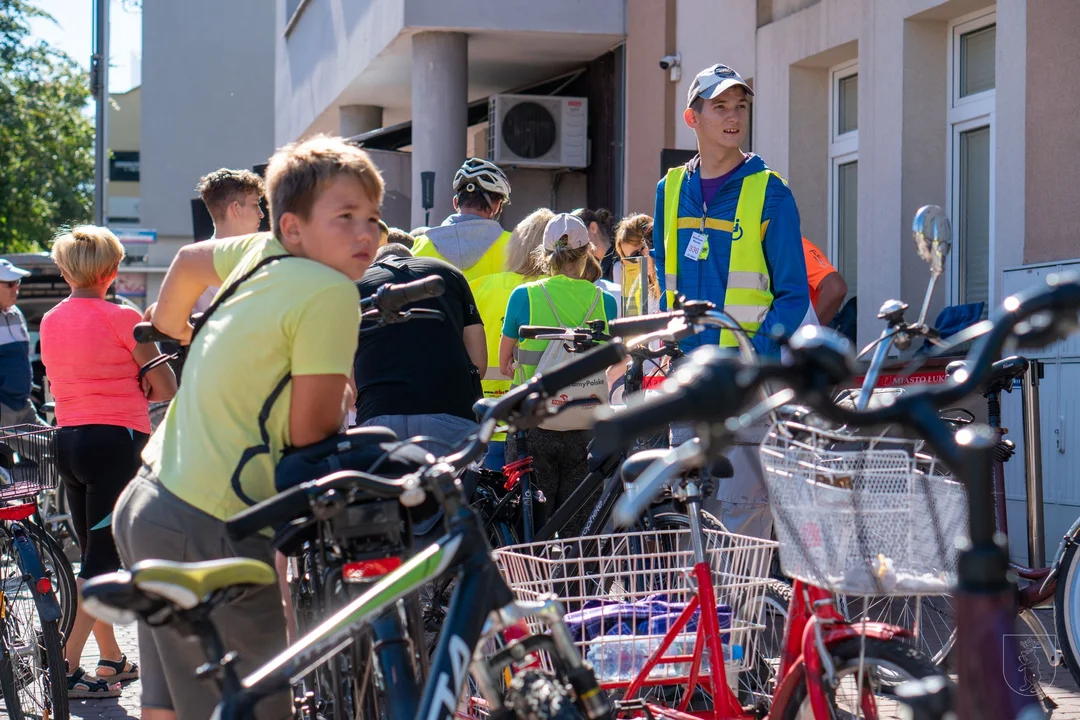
x=92 y=363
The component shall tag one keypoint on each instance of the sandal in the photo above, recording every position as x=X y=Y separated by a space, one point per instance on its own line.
x=83 y=687
x=122 y=670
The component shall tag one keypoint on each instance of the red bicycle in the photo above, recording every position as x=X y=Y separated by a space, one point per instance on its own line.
x=651 y=611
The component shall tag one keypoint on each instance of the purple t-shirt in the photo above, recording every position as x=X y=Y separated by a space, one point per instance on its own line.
x=709 y=186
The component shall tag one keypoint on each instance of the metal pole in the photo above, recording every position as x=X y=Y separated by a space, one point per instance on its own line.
x=99 y=86
x=1033 y=466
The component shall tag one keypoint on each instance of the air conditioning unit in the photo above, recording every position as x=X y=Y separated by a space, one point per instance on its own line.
x=538 y=131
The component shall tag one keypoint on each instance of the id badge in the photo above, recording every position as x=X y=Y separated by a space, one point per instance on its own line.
x=696 y=245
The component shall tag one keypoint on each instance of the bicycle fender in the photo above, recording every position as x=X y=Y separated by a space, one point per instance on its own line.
x=876 y=630
x=48 y=606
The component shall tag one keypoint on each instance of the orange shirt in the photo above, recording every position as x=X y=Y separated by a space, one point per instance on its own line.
x=817 y=269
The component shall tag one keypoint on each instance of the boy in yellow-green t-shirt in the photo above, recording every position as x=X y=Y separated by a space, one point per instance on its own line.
x=285 y=341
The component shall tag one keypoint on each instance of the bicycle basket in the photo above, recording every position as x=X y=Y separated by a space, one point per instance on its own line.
x=27 y=461
x=623 y=593
x=862 y=515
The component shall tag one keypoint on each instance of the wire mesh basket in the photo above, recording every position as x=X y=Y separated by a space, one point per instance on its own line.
x=27 y=461
x=623 y=593
x=862 y=515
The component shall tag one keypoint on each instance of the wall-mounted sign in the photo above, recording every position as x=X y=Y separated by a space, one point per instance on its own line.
x=131 y=284
x=135 y=235
x=124 y=166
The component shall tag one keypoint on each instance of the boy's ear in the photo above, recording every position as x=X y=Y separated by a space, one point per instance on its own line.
x=690 y=118
x=289 y=226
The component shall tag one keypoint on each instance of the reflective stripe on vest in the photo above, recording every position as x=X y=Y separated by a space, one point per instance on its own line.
x=491 y=262
x=576 y=301
x=748 y=296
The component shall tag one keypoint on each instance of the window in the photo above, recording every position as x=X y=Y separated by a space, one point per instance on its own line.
x=844 y=172
x=971 y=158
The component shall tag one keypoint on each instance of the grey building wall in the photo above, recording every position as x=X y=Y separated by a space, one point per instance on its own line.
x=208 y=102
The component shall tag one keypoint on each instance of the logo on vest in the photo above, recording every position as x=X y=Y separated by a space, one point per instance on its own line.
x=736 y=231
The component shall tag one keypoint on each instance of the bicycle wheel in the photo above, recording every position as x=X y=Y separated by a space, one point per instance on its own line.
x=56 y=519
x=859 y=667
x=1067 y=610
x=60 y=571
x=930 y=618
x=32 y=648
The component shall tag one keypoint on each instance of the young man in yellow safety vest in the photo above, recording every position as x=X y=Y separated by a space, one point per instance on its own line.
x=726 y=229
x=472 y=239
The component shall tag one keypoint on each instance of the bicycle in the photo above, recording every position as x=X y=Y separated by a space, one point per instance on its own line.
x=33 y=678
x=986 y=592
x=482 y=605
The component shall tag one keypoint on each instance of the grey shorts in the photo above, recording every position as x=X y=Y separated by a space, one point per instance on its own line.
x=741 y=502
x=150 y=522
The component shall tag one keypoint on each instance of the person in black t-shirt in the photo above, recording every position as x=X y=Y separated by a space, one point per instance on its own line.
x=420 y=377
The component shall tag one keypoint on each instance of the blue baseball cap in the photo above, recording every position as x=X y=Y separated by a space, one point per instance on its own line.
x=714 y=80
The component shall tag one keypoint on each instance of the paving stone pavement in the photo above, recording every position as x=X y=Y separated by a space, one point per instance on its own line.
x=1057 y=683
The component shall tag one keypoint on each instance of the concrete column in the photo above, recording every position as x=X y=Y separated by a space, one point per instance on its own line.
x=440 y=82
x=358 y=119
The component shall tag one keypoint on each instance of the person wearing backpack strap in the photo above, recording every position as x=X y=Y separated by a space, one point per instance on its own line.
x=559 y=447
x=268 y=368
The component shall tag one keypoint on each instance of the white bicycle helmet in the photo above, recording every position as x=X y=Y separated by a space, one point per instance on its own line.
x=483 y=176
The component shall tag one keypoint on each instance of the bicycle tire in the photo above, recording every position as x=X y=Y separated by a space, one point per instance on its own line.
x=896 y=657
x=62 y=574
x=757 y=684
x=55 y=679
x=8 y=692
x=1067 y=609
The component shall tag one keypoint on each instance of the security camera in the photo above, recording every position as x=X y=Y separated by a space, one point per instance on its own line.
x=669 y=61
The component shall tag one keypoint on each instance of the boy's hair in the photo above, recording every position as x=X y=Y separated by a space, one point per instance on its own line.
x=220 y=188
x=87 y=254
x=298 y=172
x=400 y=237
x=392 y=250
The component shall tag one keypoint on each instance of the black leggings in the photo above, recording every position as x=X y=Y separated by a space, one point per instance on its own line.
x=96 y=463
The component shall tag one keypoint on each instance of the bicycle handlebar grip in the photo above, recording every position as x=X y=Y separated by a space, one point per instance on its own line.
x=394 y=297
x=529 y=332
x=145 y=332
x=643 y=325
x=589 y=364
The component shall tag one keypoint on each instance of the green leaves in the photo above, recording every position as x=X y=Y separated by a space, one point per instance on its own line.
x=46 y=139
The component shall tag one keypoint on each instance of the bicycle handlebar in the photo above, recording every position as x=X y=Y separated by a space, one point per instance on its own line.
x=389 y=299
x=713 y=387
x=145 y=332
x=295 y=502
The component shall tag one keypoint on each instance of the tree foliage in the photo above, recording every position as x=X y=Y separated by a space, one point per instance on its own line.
x=46 y=141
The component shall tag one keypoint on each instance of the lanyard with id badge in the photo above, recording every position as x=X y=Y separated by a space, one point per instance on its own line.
x=698 y=248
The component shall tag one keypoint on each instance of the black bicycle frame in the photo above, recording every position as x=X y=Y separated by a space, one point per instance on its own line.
x=479 y=591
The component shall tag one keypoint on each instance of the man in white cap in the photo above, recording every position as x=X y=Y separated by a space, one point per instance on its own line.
x=727 y=231
x=16 y=375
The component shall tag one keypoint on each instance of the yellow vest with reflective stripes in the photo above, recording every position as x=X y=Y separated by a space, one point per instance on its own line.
x=491 y=262
x=492 y=293
x=748 y=296
x=576 y=302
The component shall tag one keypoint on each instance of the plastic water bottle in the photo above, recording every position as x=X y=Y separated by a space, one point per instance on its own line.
x=733 y=660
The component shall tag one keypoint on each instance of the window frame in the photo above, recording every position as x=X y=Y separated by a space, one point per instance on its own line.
x=290 y=22
x=843 y=149
x=966 y=114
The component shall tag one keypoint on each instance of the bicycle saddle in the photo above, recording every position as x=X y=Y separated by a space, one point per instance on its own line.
x=1002 y=373
x=151 y=586
x=636 y=464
